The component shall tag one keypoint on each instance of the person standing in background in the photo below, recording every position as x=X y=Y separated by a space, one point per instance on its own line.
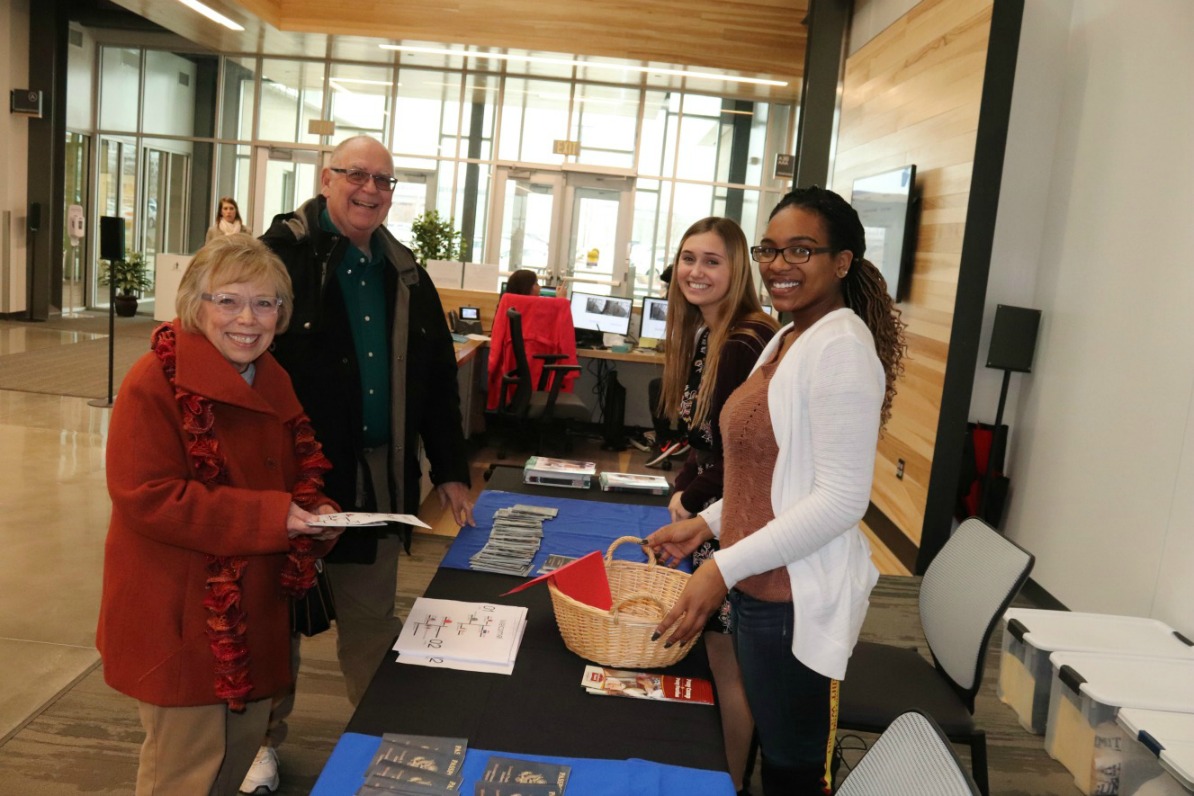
x=228 y=221
x=372 y=360
x=716 y=329
x=799 y=439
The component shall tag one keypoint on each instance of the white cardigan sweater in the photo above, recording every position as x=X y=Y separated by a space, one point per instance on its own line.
x=825 y=399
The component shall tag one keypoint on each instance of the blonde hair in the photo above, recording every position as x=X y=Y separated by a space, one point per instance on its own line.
x=226 y=260
x=740 y=305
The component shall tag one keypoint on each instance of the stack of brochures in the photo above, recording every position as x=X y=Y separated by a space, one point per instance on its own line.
x=634 y=482
x=510 y=776
x=647 y=685
x=558 y=472
x=513 y=541
x=474 y=637
x=415 y=765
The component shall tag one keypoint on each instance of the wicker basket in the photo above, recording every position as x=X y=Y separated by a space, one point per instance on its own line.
x=621 y=636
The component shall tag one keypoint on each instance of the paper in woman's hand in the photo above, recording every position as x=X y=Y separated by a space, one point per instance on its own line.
x=363 y=519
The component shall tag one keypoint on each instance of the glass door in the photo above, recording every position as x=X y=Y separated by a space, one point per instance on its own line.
x=599 y=216
x=566 y=226
x=74 y=232
x=285 y=178
x=414 y=193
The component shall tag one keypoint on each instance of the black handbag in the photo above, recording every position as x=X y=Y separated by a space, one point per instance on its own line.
x=313 y=613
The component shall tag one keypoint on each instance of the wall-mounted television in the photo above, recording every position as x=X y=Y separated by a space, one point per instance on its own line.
x=886 y=204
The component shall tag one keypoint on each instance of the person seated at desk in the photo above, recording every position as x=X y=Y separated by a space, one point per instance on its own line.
x=523 y=282
x=546 y=329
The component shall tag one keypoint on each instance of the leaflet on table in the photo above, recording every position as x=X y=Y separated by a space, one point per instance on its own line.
x=647 y=685
x=363 y=519
x=460 y=635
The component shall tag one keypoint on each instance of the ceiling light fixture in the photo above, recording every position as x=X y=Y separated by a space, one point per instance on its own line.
x=212 y=14
x=570 y=62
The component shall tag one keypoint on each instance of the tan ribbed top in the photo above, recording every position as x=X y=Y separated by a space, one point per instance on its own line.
x=750 y=453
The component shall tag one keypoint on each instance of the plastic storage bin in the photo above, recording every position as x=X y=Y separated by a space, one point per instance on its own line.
x=1088 y=689
x=1161 y=761
x=1030 y=636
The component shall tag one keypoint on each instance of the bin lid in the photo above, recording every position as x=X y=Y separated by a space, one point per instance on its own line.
x=1178 y=760
x=1164 y=726
x=1128 y=680
x=1069 y=630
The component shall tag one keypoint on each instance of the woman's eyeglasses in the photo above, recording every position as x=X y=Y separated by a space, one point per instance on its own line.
x=232 y=304
x=383 y=182
x=793 y=255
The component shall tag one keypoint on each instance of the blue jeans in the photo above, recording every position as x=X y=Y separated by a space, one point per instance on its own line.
x=793 y=706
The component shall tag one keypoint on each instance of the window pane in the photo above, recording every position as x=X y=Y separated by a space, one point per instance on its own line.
x=660 y=120
x=534 y=115
x=232 y=179
x=178 y=92
x=360 y=100
x=120 y=87
x=604 y=121
x=239 y=99
x=80 y=66
x=700 y=138
x=291 y=96
x=646 y=258
x=420 y=110
x=480 y=110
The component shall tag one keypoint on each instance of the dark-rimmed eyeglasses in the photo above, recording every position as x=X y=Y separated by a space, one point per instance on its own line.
x=793 y=255
x=384 y=182
x=232 y=304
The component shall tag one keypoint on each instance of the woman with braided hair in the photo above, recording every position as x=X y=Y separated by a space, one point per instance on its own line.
x=799 y=441
x=214 y=474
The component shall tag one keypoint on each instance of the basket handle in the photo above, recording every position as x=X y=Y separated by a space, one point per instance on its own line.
x=609 y=554
x=642 y=595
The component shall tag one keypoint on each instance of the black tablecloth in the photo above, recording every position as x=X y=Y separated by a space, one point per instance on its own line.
x=541 y=708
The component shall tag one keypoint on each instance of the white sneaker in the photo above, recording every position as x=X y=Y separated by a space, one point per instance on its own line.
x=263 y=774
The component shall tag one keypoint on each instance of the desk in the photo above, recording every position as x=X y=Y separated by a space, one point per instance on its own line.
x=642 y=366
x=541 y=709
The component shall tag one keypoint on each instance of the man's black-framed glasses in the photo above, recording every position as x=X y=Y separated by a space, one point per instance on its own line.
x=793 y=255
x=384 y=182
x=234 y=304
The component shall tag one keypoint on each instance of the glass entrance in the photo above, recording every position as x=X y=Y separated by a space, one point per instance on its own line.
x=569 y=227
x=285 y=179
x=74 y=228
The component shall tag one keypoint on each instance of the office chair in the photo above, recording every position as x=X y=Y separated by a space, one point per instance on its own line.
x=964 y=592
x=540 y=404
x=911 y=758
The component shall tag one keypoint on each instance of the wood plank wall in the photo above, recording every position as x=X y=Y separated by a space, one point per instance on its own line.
x=752 y=37
x=912 y=95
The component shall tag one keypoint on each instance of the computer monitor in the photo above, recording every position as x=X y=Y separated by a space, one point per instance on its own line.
x=594 y=316
x=653 y=318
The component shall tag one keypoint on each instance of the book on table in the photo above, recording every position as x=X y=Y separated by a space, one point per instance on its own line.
x=605 y=681
x=476 y=637
x=546 y=471
x=634 y=482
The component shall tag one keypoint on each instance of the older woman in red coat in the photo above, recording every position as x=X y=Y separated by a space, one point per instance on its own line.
x=214 y=474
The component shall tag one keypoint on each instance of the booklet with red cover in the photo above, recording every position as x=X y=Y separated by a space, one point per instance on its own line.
x=647 y=685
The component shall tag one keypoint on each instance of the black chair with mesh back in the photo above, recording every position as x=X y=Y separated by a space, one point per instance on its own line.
x=911 y=758
x=965 y=590
x=543 y=405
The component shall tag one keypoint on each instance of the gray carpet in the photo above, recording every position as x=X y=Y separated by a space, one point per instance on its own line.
x=79 y=368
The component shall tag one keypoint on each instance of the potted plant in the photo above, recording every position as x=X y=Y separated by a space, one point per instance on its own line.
x=434 y=237
x=130 y=276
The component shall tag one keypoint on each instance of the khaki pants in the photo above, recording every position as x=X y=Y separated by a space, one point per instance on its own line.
x=198 y=750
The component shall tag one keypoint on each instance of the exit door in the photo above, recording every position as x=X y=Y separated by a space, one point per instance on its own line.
x=567 y=226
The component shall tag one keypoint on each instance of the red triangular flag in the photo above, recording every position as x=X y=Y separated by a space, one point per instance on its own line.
x=584 y=580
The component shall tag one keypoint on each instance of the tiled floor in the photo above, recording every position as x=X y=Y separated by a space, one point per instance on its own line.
x=54 y=506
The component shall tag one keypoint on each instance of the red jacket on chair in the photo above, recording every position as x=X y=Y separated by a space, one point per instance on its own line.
x=546 y=329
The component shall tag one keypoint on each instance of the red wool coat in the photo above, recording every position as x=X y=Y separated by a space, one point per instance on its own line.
x=152 y=624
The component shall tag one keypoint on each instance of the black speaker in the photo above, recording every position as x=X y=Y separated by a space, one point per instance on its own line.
x=1013 y=338
x=35 y=216
x=111 y=238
